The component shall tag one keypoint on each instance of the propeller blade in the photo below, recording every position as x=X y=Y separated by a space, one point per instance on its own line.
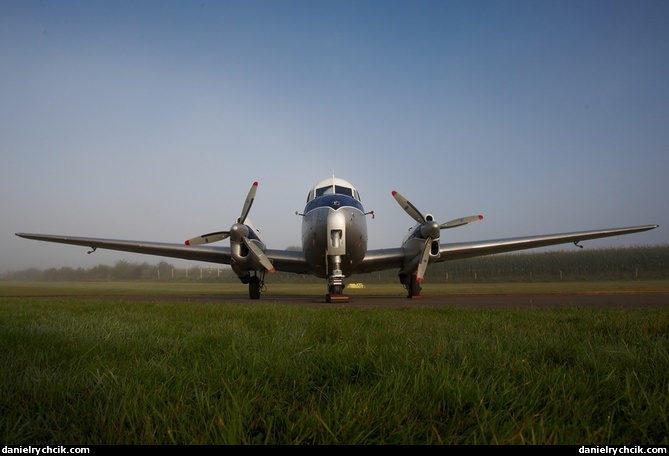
x=220 y=235
x=409 y=208
x=461 y=221
x=259 y=254
x=248 y=203
x=422 y=266
x=208 y=238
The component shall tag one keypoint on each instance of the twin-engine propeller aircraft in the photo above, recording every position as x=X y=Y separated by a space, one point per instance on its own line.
x=334 y=243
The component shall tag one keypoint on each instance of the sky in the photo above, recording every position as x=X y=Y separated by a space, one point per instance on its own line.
x=150 y=120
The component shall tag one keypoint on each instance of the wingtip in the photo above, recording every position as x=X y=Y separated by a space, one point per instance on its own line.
x=272 y=271
x=187 y=242
x=394 y=192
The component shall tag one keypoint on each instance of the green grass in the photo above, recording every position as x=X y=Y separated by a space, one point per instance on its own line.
x=92 y=370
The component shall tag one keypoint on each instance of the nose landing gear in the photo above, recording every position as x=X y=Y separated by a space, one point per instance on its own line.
x=335 y=292
x=336 y=283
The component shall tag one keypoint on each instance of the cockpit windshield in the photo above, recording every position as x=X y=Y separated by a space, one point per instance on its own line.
x=333 y=187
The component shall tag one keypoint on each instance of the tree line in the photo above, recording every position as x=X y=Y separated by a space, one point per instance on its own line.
x=122 y=270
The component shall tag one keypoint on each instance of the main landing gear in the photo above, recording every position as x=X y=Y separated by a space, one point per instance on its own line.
x=256 y=284
x=412 y=286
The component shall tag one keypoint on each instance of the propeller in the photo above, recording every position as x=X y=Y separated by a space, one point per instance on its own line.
x=424 y=260
x=241 y=231
x=259 y=254
x=208 y=238
x=429 y=229
x=461 y=221
x=220 y=235
x=409 y=208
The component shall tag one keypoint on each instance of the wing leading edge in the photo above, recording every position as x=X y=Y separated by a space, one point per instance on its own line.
x=456 y=251
x=381 y=259
x=208 y=253
x=283 y=260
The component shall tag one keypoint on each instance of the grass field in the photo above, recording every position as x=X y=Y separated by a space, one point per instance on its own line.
x=85 y=363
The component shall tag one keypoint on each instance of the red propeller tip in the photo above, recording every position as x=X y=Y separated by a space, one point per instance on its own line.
x=255 y=184
x=419 y=279
x=187 y=242
x=480 y=217
x=272 y=270
x=394 y=192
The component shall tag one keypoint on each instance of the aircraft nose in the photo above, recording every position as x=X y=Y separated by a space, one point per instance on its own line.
x=336 y=225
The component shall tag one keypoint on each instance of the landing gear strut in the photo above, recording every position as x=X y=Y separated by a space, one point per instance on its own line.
x=336 y=283
x=256 y=284
x=412 y=286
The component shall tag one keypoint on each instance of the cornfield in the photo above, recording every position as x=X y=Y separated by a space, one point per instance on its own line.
x=599 y=264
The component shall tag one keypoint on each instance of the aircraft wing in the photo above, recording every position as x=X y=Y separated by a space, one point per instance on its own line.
x=456 y=251
x=282 y=260
x=201 y=253
x=381 y=259
x=289 y=261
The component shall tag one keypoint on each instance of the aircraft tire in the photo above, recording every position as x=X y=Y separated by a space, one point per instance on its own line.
x=413 y=287
x=254 y=287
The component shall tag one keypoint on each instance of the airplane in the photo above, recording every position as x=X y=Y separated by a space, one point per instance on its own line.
x=334 y=243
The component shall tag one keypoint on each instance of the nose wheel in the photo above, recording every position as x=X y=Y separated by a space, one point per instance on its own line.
x=336 y=278
x=336 y=294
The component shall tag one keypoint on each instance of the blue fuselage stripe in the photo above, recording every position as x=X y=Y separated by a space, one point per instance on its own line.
x=333 y=201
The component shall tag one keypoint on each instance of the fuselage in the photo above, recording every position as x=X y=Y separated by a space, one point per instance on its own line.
x=334 y=228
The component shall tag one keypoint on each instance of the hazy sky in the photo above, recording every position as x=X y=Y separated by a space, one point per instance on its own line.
x=150 y=120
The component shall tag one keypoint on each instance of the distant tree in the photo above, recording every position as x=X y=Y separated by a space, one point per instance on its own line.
x=164 y=270
x=122 y=270
x=26 y=274
x=100 y=272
